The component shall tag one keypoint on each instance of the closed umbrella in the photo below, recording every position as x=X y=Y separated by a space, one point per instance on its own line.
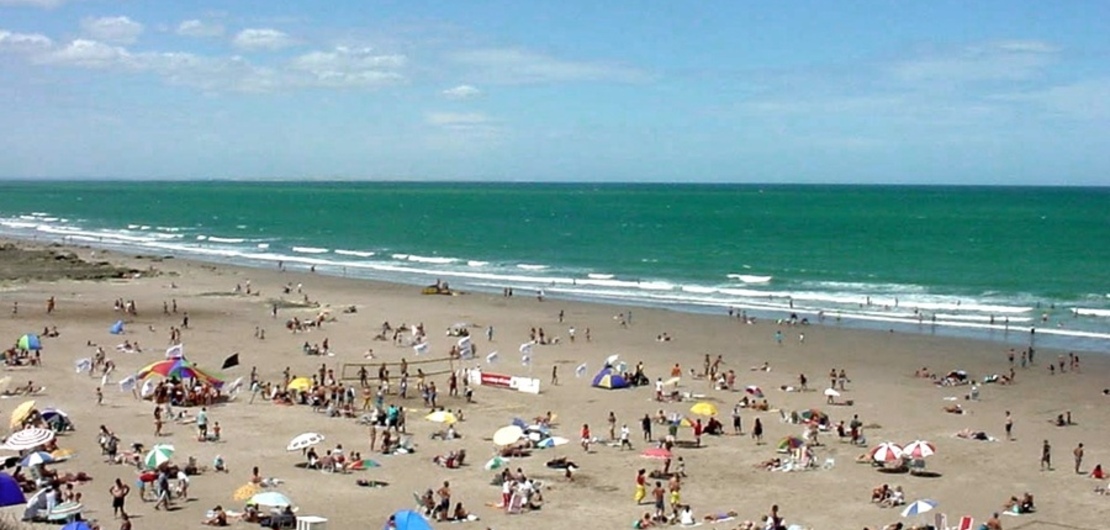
x=304 y=441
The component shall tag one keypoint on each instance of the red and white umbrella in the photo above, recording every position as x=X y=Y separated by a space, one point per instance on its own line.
x=886 y=452
x=919 y=449
x=28 y=439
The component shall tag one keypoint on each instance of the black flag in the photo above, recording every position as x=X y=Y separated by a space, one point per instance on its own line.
x=231 y=361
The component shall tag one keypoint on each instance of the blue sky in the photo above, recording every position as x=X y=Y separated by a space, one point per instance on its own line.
x=1006 y=92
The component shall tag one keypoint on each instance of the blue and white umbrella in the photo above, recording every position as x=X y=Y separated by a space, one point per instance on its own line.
x=37 y=458
x=553 y=441
x=919 y=507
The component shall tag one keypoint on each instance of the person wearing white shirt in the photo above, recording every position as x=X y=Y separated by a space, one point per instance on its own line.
x=625 y=433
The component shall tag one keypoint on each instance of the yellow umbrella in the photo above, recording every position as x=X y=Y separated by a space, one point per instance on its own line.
x=441 y=416
x=704 y=408
x=300 y=384
x=21 y=412
x=507 y=435
x=245 y=492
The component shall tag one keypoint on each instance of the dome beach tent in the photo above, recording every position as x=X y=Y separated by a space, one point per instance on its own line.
x=609 y=378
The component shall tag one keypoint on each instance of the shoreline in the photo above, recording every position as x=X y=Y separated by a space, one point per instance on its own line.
x=723 y=474
x=1018 y=335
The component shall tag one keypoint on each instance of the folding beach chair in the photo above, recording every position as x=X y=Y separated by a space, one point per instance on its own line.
x=966 y=523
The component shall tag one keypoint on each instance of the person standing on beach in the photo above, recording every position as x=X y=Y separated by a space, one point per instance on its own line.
x=1078 y=452
x=119 y=492
x=1046 y=456
x=612 y=426
x=641 y=486
x=645 y=425
x=585 y=438
x=1009 y=426
x=555 y=375
x=757 y=431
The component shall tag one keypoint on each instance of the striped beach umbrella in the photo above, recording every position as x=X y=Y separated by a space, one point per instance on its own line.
x=37 y=458
x=919 y=449
x=919 y=507
x=304 y=441
x=28 y=439
x=158 y=455
x=886 y=452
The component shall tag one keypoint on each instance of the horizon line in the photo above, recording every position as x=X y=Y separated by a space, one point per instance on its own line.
x=403 y=180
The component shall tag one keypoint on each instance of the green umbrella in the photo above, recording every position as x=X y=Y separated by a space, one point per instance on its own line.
x=157 y=456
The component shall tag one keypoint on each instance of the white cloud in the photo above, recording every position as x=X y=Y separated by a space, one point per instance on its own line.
x=997 y=61
x=511 y=66
x=462 y=92
x=116 y=30
x=46 y=4
x=349 y=67
x=88 y=54
x=262 y=39
x=460 y=121
x=1084 y=100
x=24 y=42
x=199 y=28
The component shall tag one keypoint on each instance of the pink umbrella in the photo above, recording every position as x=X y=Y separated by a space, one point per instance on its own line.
x=919 y=449
x=656 y=453
x=886 y=452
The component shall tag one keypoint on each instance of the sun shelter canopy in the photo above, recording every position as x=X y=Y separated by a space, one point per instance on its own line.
x=180 y=368
x=609 y=378
x=29 y=342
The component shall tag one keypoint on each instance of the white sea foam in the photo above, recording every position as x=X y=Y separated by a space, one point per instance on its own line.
x=476 y=263
x=530 y=267
x=215 y=239
x=201 y=237
x=431 y=259
x=750 y=278
x=263 y=245
x=309 y=250
x=356 y=253
x=595 y=276
x=1085 y=312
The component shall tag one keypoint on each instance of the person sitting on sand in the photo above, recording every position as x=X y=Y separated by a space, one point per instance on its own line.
x=880 y=493
x=460 y=513
x=1024 y=504
x=644 y=522
x=218 y=518
x=896 y=498
x=718 y=517
x=1098 y=473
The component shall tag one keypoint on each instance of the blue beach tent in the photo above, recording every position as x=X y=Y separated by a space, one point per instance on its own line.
x=609 y=378
x=408 y=520
x=116 y=328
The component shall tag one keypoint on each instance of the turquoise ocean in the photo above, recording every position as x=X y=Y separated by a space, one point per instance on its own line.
x=984 y=262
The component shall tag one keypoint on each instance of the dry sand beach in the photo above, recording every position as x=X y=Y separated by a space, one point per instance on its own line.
x=966 y=477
